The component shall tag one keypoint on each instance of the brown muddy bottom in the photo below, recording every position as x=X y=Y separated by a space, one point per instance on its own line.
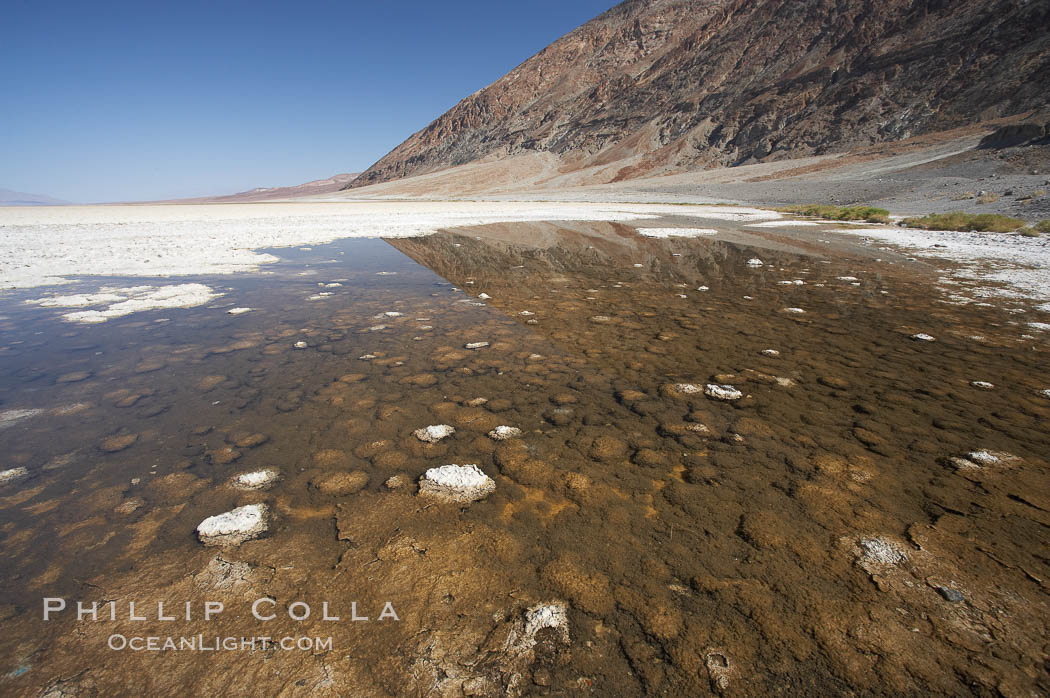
x=862 y=520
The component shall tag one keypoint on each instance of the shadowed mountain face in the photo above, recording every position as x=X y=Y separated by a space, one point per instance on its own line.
x=671 y=85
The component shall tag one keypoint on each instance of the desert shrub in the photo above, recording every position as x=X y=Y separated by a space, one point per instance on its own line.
x=981 y=222
x=989 y=198
x=840 y=213
x=1042 y=226
x=1029 y=232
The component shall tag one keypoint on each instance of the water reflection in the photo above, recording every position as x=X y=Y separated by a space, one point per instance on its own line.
x=808 y=533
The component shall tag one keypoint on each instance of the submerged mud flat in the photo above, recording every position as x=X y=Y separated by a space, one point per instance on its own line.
x=863 y=514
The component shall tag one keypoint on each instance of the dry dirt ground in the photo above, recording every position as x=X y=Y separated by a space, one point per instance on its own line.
x=935 y=173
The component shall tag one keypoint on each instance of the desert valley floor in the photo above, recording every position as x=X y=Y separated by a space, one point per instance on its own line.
x=732 y=453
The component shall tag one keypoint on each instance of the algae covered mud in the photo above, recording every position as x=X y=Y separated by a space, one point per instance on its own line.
x=732 y=463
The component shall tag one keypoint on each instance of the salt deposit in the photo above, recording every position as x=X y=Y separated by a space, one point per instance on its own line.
x=880 y=552
x=238 y=311
x=118 y=302
x=434 y=433
x=923 y=337
x=1022 y=263
x=722 y=392
x=43 y=245
x=11 y=417
x=255 y=480
x=234 y=527
x=456 y=483
x=502 y=433
x=476 y=345
x=12 y=475
x=780 y=223
x=676 y=232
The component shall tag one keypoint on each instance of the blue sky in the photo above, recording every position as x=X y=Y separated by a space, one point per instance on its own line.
x=122 y=101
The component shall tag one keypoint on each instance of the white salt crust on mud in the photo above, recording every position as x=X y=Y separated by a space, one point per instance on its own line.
x=112 y=303
x=434 y=433
x=504 y=432
x=234 y=527
x=45 y=245
x=780 y=224
x=13 y=474
x=1020 y=262
x=726 y=393
x=456 y=483
x=676 y=232
x=255 y=480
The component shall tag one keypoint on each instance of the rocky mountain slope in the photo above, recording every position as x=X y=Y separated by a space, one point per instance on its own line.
x=655 y=86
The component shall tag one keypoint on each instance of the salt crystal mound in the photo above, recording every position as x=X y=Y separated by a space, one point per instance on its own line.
x=983 y=385
x=43 y=247
x=234 y=527
x=771 y=353
x=475 y=345
x=434 y=433
x=502 y=433
x=255 y=480
x=984 y=457
x=923 y=337
x=125 y=301
x=795 y=311
x=726 y=393
x=238 y=311
x=12 y=417
x=456 y=483
x=880 y=553
x=13 y=475
x=676 y=232
x=540 y=617
x=755 y=262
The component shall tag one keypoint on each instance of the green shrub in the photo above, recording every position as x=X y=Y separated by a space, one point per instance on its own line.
x=1029 y=232
x=840 y=213
x=981 y=222
x=1042 y=226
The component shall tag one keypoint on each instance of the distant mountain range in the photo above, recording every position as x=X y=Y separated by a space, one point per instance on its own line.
x=663 y=86
x=9 y=197
x=314 y=188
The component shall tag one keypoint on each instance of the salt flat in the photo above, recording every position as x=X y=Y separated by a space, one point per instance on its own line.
x=45 y=245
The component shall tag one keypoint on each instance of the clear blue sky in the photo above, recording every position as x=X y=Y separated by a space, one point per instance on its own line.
x=107 y=101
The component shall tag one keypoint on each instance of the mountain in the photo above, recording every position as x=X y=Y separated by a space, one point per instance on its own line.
x=659 y=86
x=314 y=188
x=21 y=198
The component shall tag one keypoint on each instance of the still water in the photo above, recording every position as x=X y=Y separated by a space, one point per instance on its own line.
x=867 y=516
